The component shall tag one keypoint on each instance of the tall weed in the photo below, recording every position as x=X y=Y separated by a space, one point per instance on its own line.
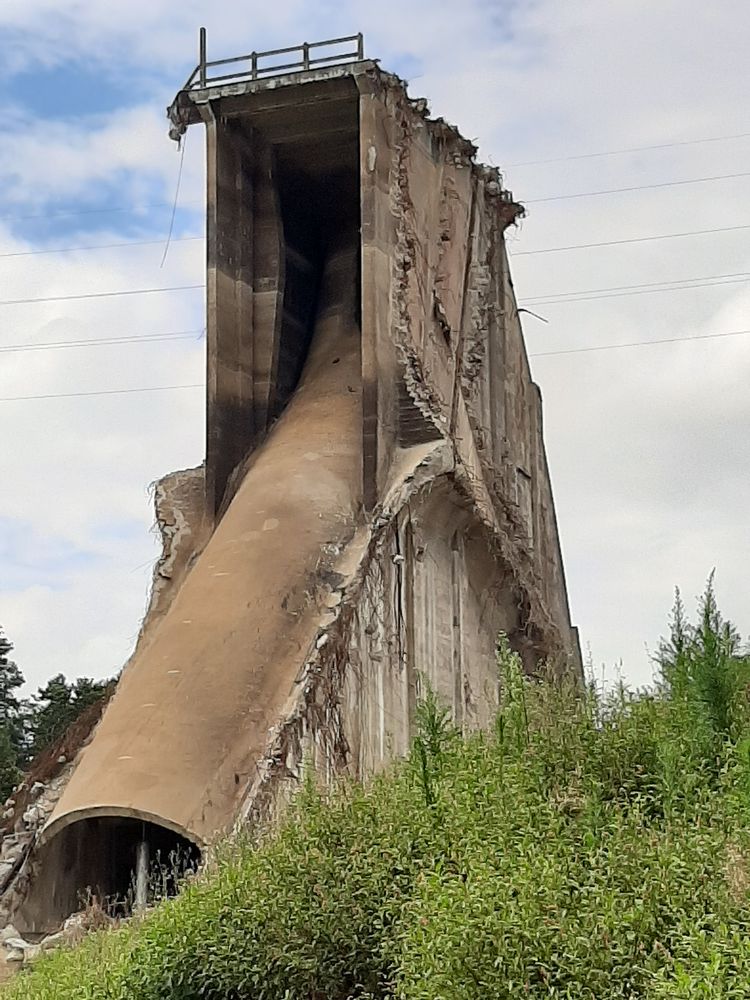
x=592 y=845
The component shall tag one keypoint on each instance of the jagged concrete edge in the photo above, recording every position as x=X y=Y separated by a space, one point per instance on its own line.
x=434 y=463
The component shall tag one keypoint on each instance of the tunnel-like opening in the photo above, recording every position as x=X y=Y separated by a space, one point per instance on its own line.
x=114 y=862
x=318 y=194
x=284 y=193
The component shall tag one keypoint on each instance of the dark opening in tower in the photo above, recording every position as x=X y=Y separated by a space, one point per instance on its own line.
x=319 y=202
x=285 y=195
x=117 y=863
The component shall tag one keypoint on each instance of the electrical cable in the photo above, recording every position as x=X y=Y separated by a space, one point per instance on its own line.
x=637 y=187
x=100 y=295
x=643 y=291
x=696 y=282
x=99 y=246
x=103 y=392
x=541 y=354
x=631 y=149
x=638 y=343
x=617 y=243
x=614 y=291
x=183 y=145
x=107 y=210
x=99 y=341
x=525 y=163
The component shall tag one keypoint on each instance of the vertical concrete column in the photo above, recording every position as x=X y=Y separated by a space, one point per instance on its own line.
x=380 y=371
x=458 y=575
x=230 y=429
x=269 y=282
x=496 y=347
x=141 y=874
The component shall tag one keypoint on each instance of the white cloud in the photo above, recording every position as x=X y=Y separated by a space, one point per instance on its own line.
x=647 y=446
x=78 y=469
x=126 y=152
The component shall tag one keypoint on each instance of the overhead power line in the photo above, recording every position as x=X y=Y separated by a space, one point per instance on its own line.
x=635 y=239
x=647 y=284
x=105 y=210
x=637 y=187
x=658 y=286
x=100 y=295
x=638 y=343
x=542 y=354
x=631 y=149
x=514 y=253
x=641 y=291
x=54 y=345
x=100 y=246
x=103 y=392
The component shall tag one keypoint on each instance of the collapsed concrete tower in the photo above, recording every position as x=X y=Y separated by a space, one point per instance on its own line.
x=375 y=505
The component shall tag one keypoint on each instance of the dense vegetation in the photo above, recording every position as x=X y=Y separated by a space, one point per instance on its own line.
x=29 y=725
x=591 y=846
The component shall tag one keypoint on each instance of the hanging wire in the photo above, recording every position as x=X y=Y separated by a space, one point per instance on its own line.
x=174 y=204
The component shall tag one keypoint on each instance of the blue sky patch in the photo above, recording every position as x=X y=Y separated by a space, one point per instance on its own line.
x=60 y=92
x=29 y=559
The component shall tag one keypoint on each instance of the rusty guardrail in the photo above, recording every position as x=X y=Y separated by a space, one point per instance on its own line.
x=253 y=66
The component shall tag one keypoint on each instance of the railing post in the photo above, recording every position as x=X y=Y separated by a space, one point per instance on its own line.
x=254 y=65
x=202 y=57
x=305 y=55
x=360 y=46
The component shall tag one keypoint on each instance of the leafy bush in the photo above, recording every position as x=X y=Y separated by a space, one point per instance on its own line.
x=590 y=846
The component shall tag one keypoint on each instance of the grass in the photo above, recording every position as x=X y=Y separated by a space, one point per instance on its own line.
x=590 y=846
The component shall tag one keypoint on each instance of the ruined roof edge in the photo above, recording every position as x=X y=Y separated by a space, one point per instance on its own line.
x=184 y=111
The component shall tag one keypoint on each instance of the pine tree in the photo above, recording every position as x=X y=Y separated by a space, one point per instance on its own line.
x=56 y=706
x=703 y=666
x=12 y=733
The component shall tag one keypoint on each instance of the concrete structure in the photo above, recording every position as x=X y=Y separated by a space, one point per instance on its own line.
x=375 y=505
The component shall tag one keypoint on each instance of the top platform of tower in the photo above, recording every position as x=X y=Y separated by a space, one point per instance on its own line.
x=255 y=72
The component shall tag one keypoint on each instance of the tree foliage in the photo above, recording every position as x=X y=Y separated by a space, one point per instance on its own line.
x=29 y=725
x=12 y=735
x=56 y=706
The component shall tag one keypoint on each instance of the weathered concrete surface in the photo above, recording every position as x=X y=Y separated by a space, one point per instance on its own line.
x=179 y=741
x=183 y=526
x=368 y=529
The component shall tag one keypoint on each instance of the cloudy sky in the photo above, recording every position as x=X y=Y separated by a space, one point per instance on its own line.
x=648 y=445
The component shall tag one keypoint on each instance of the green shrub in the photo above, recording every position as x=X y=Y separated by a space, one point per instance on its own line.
x=591 y=846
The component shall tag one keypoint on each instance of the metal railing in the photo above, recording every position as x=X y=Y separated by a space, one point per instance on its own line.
x=253 y=66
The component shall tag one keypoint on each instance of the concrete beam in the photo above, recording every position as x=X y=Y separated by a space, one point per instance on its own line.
x=230 y=428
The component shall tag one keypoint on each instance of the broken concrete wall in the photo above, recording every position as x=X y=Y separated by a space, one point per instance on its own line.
x=459 y=350
x=181 y=520
x=418 y=601
x=374 y=534
x=430 y=610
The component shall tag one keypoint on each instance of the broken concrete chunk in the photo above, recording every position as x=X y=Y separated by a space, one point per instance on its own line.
x=54 y=940
x=6 y=867
x=17 y=944
x=74 y=923
x=33 y=815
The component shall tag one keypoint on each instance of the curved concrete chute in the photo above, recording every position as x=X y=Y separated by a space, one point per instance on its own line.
x=57 y=824
x=179 y=741
x=114 y=862
x=375 y=504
